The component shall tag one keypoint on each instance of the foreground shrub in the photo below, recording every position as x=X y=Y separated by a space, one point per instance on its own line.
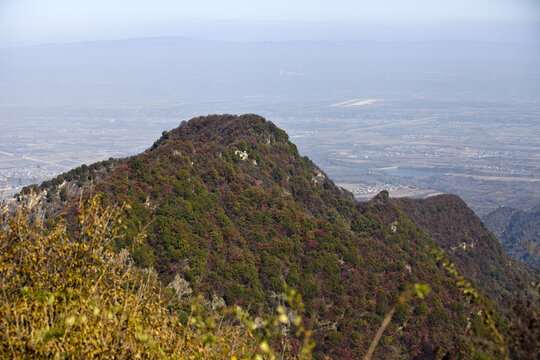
x=69 y=295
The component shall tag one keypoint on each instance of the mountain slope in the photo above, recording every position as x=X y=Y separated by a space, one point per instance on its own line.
x=469 y=243
x=519 y=232
x=70 y=296
x=229 y=208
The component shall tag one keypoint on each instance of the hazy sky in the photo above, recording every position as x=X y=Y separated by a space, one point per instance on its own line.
x=24 y=22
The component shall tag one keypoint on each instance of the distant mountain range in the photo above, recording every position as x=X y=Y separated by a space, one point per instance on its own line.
x=519 y=232
x=181 y=69
x=231 y=208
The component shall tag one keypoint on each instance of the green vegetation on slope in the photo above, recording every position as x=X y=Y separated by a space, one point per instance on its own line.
x=70 y=296
x=519 y=232
x=230 y=210
x=468 y=242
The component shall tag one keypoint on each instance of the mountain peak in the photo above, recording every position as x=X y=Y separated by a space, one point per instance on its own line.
x=225 y=129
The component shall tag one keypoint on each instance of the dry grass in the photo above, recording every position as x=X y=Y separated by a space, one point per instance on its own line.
x=69 y=295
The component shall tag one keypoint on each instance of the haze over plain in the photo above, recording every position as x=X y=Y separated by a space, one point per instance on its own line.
x=433 y=97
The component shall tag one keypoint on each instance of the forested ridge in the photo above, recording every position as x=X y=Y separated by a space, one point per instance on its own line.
x=519 y=232
x=225 y=207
